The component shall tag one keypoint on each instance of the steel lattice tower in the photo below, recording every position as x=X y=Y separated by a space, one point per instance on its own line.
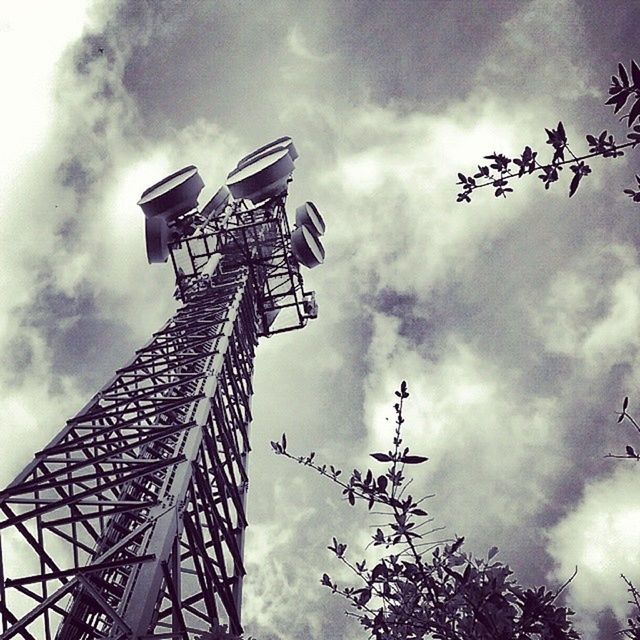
x=133 y=516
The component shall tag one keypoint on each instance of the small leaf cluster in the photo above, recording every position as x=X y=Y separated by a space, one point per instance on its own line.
x=280 y=447
x=622 y=88
x=633 y=193
x=422 y=589
x=604 y=145
x=633 y=629
x=498 y=174
x=630 y=452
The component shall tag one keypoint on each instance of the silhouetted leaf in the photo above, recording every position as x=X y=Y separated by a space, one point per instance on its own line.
x=634 y=113
x=625 y=403
x=457 y=544
x=378 y=538
x=630 y=451
x=364 y=596
x=635 y=73
x=492 y=552
x=561 y=132
x=276 y=446
x=501 y=162
x=575 y=181
x=413 y=459
x=381 y=457
x=635 y=136
x=623 y=74
x=619 y=100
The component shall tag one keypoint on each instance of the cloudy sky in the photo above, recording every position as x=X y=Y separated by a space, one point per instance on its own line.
x=515 y=323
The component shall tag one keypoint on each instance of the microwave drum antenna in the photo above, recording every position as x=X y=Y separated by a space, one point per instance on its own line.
x=285 y=142
x=156 y=233
x=264 y=177
x=307 y=214
x=172 y=196
x=306 y=247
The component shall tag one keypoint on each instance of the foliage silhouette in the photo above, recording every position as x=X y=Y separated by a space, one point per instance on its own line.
x=420 y=587
x=498 y=173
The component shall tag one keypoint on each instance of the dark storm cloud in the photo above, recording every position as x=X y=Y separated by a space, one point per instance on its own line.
x=225 y=61
x=16 y=361
x=79 y=339
x=74 y=174
x=611 y=31
x=420 y=55
x=216 y=61
x=71 y=299
x=413 y=323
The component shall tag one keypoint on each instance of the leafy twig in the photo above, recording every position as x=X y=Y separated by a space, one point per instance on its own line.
x=451 y=595
x=497 y=175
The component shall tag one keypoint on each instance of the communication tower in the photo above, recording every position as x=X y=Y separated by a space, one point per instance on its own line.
x=129 y=524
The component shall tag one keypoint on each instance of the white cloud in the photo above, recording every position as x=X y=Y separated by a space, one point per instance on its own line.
x=592 y=311
x=544 y=40
x=391 y=192
x=299 y=46
x=600 y=536
x=33 y=35
x=280 y=573
x=478 y=431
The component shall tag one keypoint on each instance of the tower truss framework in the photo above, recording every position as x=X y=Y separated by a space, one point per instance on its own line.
x=130 y=523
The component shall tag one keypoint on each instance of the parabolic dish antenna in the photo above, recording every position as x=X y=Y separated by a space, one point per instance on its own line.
x=306 y=247
x=285 y=142
x=157 y=239
x=263 y=177
x=307 y=214
x=174 y=195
